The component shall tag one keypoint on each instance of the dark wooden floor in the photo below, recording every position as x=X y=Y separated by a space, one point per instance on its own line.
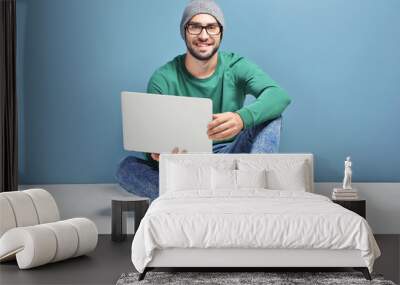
x=111 y=259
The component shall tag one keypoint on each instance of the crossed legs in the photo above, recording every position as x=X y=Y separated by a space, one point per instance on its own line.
x=141 y=177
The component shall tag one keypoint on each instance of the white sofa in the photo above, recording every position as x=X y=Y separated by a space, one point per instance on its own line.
x=31 y=231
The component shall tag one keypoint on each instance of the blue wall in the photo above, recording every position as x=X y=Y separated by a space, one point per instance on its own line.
x=339 y=61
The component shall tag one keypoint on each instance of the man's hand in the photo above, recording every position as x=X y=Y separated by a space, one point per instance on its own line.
x=156 y=156
x=224 y=126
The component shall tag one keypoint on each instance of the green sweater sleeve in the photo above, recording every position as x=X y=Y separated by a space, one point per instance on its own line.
x=157 y=84
x=271 y=100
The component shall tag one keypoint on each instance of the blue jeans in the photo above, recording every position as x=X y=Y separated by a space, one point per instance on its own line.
x=140 y=176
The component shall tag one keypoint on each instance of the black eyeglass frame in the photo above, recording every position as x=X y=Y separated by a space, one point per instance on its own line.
x=202 y=28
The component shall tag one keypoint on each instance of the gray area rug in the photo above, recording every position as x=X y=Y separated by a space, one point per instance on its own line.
x=269 y=278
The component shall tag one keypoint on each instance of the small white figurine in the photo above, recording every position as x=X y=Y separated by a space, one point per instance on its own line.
x=347 y=174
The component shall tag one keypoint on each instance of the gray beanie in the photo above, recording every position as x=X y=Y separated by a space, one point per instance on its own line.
x=201 y=7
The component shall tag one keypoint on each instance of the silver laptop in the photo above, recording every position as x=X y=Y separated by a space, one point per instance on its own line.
x=158 y=123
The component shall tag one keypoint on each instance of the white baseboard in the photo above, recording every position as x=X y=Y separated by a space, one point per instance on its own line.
x=93 y=201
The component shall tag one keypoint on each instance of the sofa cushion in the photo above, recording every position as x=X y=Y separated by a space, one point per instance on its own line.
x=40 y=244
x=27 y=208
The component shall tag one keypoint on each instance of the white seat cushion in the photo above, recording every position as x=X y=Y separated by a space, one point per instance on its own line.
x=40 y=244
x=23 y=208
x=7 y=220
x=45 y=205
x=27 y=208
x=67 y=237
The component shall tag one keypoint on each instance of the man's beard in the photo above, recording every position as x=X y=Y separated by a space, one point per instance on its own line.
x=199 y=56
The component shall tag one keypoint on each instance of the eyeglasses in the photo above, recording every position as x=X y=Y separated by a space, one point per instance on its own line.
x=196 y=29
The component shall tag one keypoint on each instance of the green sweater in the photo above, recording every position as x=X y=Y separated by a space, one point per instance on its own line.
x=233 y=79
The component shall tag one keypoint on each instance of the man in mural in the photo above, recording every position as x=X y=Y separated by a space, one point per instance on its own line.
x=225 y=78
